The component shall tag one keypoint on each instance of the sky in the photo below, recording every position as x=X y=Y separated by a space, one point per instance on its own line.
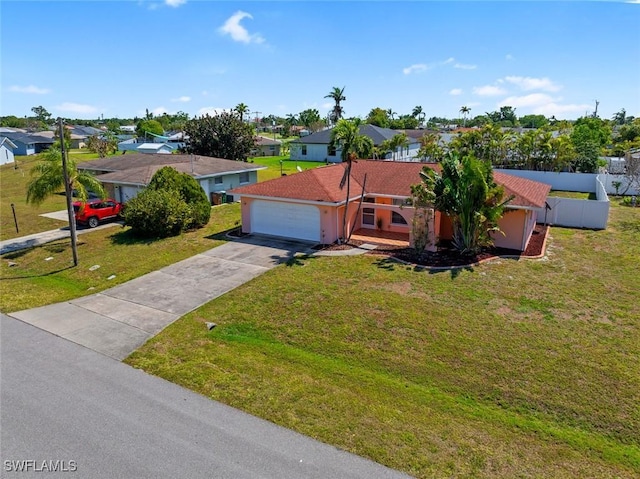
x=117 y=59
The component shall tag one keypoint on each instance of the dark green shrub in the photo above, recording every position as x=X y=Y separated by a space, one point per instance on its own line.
x=157 y=214
x=169 y=179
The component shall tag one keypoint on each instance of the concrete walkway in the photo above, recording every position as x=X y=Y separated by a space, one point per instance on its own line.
x=119 y=320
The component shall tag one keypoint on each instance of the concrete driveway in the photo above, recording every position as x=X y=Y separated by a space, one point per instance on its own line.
x=119 y=320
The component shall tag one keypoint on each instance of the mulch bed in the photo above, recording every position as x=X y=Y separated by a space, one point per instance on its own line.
x=447 y=257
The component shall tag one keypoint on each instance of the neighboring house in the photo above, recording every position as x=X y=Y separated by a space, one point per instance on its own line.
x=317 y=147
x=76 y=141
x=124 y=176
x=266 y=147
x=27 y=144
x=310 y=205
x=6 y=150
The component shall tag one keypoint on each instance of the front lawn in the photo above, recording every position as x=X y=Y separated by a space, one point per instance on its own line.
x=29 y=279
x=13 y=190
x=508 y=369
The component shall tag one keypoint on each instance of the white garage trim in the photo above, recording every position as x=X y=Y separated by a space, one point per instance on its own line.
x=289 y=220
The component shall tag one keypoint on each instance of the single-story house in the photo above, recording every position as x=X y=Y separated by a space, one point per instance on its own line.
x=28 y=144
x=317 y=146
x=124 y=176
x=266 y=147
x=311 y=206
x=6 y=150
x=76 y=141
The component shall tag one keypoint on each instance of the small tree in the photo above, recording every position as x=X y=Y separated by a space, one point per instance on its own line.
x=102 y=145
x=149 y=126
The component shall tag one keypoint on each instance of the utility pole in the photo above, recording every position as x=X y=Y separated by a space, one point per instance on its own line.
x=67 y=191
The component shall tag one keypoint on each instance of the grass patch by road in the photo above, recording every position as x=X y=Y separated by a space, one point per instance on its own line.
x=13 y=189
x=509 y=369
x=45 y=274
x=289 y=167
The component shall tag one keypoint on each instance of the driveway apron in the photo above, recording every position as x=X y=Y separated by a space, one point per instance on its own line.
x=117 y=321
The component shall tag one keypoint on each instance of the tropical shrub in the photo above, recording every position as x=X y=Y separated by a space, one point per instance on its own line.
x=157 y=214
x=173 y=202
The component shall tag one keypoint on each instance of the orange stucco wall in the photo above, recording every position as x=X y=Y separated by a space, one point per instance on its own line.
x=512 y=224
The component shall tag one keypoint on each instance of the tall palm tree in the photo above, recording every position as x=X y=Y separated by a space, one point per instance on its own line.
x=48 y=179
x=241 y=109
x=337 y=95
x=346 y=136
x=392 y=114
x=465 y=111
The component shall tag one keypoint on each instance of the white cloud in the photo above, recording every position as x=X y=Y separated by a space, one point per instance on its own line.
x=182 y=99
x=327 y=106
x=529 y=83
x=415 y=68
x=543 y=104
x=509 y=57
x=237 y=32
x=462 y=66
x=174 y=3
x=489 y=90
x=554 y=109
x=76 y=108
x=449 y=60
x=211 y=111
x=455 y=92
x=532 y=100
x=29 y=89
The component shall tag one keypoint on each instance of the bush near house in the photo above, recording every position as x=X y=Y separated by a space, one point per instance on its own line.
x=172 y=203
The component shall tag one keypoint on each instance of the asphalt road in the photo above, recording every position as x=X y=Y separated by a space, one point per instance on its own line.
x=99 y=418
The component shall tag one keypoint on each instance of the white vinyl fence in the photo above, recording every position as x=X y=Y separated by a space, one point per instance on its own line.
x=570 y=212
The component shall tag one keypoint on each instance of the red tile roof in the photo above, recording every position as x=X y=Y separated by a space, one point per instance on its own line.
x=527 y=192
x=387 y=178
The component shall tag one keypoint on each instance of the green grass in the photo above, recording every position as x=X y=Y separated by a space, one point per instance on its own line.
x=509 y=369
x=289 y=167
x=13 y=190
x=35 y=281
x=573 y=194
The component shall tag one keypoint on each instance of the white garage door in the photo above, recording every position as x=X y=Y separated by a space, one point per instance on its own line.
x=285 y=219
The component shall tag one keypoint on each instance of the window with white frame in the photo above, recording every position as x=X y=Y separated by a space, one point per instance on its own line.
x=244 y=178
x=217 y=180
x=304 y=150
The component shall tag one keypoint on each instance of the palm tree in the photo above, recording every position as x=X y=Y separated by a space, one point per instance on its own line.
x=241 y=109
x=620 y=117
x=466 y=193
x=397 y=142
x=48 y=179
x=418 y=114
x=346 y=136
x=391 y=113
x=465 y=111
x=337 y=95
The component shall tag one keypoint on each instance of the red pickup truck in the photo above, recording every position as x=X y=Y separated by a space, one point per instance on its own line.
x=95 y=211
